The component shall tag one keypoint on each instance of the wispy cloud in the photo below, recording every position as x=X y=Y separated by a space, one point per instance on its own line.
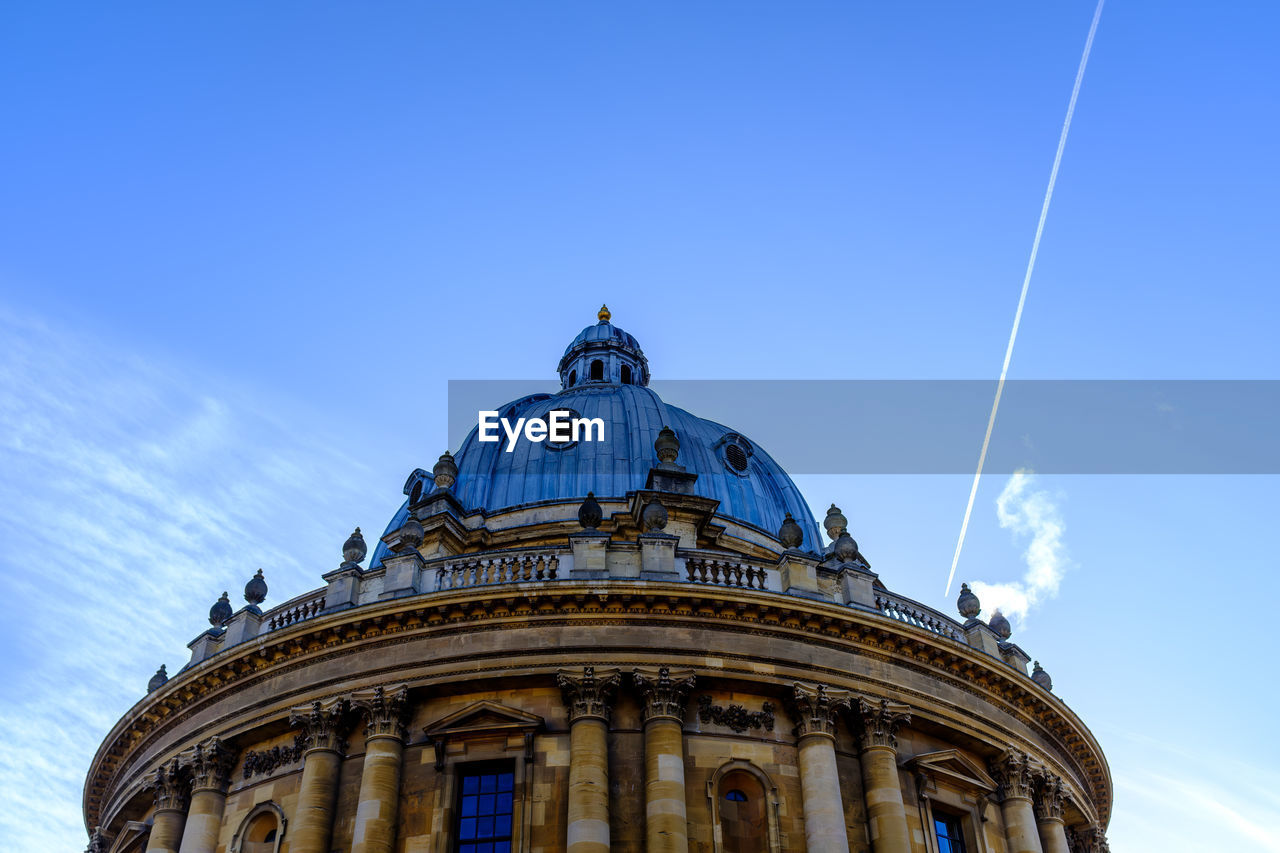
x=1027 y=512
x=131 y=494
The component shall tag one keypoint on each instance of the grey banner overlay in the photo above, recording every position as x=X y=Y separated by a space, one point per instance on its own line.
x=936 y=426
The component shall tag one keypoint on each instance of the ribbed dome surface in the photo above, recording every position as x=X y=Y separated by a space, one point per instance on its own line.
x=749 y=485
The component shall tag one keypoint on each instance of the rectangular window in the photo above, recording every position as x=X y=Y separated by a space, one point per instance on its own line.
x=950 y=839
x=484 y=811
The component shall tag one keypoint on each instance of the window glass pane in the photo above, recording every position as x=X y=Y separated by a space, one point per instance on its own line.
x=468 y=806
x=471 y=785
x=467 y=829
x=503 y=805
x=484 y=827
x=488 y=783
x=505 y=781
x=502 y=826
x=484 y=804
x=502 y=847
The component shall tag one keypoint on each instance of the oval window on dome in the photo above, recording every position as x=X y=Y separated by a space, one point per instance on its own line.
x=736 y=457
x=566 y=417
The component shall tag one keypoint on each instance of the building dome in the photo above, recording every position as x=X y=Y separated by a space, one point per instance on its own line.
x=751 y=487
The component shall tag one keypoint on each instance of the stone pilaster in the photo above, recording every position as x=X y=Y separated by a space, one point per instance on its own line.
x=385 y=713
x=210 y=763
x=815 y=708
x=665 y=695
x=172 y=787
x=1016 y=776
x=1049 y=797
x=878 y=723
x=324 y=726
x=589 y=695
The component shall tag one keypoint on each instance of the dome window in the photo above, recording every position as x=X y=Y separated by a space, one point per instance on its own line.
x=736 y=457
x=597 y=371
x=573 y=378
x=626 y=374
x=735 y=452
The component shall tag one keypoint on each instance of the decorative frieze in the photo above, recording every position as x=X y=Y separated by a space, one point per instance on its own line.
x=815 y=708
x=211 y=763
x=323 y=724
x=736 y=717
x=385 y=712
x=879 y=722
x=1015 y=775
x=172 y=784
x=270 y=760
x=1049 y=797
x=590 y=693
x=664 y=694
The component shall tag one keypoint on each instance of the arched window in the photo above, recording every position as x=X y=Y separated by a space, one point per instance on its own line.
x=626 y=374
x=573 y=378
x=744 y=822
x=597 y=371
x=415 y=494
x=261 y=832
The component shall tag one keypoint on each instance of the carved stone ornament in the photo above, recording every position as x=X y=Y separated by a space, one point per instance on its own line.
x=270 y=760
x=815 y=708
x=1087 y=839
x=664 y=694
x=1015 y=774
x=589 y=693
x=1049 y=797
x=736 y=717
x=879 y=722
x=98 y=843
x=323 y=724
x=385 y=711
x=211 y=763
x=172 y=785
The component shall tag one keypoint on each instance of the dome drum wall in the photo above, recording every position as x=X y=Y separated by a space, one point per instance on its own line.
x=746 y=648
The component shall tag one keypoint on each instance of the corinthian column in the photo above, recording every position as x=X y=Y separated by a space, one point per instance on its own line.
x=171 y=785
x=323 y=727
x=210 y=763
x=666 y=828
x=589 y=695
x=1048 y=806
x=815 y=711
x=1017 y=785
x=878 y=740
x=385 y=716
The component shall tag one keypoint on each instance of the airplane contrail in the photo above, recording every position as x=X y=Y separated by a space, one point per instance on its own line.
x=1026 y=284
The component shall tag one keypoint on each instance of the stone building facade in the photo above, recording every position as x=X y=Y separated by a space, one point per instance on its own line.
x=638 y=645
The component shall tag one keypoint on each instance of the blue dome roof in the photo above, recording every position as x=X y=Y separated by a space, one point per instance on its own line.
x=750 y=486
x=602 y=332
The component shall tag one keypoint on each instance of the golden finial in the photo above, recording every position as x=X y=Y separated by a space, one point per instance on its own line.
x=604 y=314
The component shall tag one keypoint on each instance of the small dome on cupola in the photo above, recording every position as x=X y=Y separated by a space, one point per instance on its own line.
x=603 y=354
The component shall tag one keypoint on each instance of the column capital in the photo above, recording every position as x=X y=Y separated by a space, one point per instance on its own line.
x=323 y=724
x=172 y=784
x=1015 y=774
x=1087 y=839
x=815 y=707
x=385 y=711
x=211 y=762
x=98 y=842
x=589 y=694
x=1049 y=796
x=664 y=693
x=879 y=721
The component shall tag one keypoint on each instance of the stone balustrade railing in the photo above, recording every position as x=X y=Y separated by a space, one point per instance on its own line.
x=499 y=568
x=524 y=566
x=725 y=572
x=914 y=613
x=303 y=607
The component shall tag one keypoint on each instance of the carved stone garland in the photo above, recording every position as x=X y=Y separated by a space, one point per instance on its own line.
x=736 y=717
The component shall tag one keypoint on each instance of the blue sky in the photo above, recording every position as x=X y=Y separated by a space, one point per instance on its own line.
x=243 y=250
